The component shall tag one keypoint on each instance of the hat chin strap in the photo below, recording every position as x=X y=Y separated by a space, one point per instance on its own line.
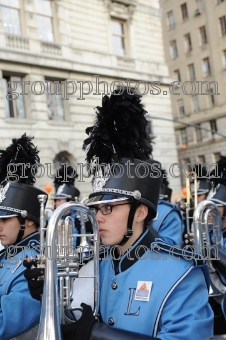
x=129 y=232
x=224 y=213
x=21 y=232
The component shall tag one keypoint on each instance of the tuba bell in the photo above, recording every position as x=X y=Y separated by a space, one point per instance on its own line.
x=61 y=268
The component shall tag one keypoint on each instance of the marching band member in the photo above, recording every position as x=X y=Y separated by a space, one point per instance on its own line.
x=64 y=185
x=135 y=297
x=168 y=222
x=217 y=194
x=19 y=223
x=146 y=290
x=165 y=190
x=203 y=183
x=197 y=193
x=66 y=192
x=219 y=198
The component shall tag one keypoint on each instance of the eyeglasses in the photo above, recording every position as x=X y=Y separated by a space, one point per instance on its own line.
x=105 y=209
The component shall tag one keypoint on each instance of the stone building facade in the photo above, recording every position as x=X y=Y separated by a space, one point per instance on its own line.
x=195 y=45
x=57 y=57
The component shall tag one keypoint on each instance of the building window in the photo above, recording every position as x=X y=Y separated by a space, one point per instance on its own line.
x=184 y=138
x=44 y=14
x=10 y=13
x=195 y=103
x=222 y=21
x=187 y=43
x=213 y=126
x=184 y=12
x=202 y=35
x=198 y=133
x=178 y=140
x=199 y=4
x=173 y=49
x=14 y=102
x=199 y=9
x=211 y=97
x=224 y=58
x=55 y=105
x=118 y=37
x=177 y=75
x=191 y=70
x=181 y=110
x=217 y=156
x=201 y=159
x=170 y=20
x=206 y=67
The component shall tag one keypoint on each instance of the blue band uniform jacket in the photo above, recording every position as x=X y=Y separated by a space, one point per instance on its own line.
x=175 y=305
x=19 y=312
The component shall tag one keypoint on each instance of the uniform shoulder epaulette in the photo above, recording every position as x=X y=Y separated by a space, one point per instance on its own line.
x=177 y=251
x=169 y=204
x=163 y=210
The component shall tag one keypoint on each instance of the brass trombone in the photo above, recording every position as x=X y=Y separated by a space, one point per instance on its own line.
x=187 y=204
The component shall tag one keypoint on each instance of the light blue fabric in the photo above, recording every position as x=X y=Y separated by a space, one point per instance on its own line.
x=168 y=223
x=177 y=308
x=222 y=277
x=19 y=312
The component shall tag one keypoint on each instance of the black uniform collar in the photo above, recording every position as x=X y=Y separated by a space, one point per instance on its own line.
x=135 y=252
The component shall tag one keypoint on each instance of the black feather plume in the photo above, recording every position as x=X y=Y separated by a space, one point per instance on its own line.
x=22 y=150
x=201 y=171
x=120 y=130
x=65 y=175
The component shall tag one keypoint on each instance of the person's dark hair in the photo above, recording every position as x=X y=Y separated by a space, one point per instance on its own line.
x=22 y=221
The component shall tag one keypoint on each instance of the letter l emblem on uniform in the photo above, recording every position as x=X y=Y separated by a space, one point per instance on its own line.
x=132 y=290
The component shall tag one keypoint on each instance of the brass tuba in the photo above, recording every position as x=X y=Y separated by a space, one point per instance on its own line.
x=62 y=268
x=203 y=245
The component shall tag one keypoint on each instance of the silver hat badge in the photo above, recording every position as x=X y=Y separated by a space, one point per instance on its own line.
x=3 y=191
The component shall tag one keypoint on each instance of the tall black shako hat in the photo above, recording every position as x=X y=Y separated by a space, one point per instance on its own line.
x=121 y=146
x=64 y=184
x=203 y=183
x=217 y=193
x=165 y=190
x=18 y=196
